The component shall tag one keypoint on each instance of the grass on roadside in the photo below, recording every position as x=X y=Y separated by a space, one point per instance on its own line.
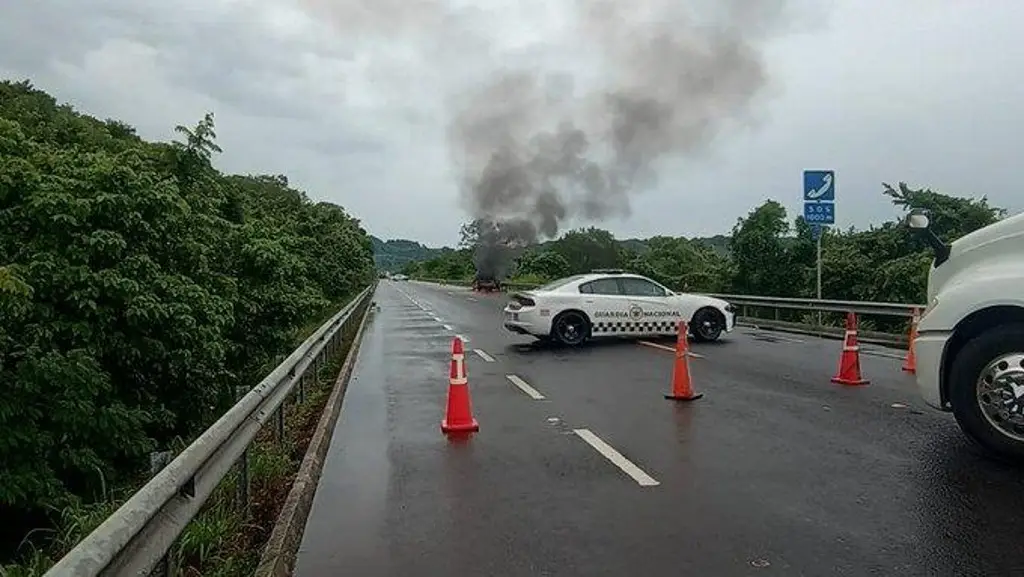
x=225 y=539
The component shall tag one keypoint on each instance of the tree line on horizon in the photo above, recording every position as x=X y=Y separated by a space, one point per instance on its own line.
x=766 y=253
x=139 y=288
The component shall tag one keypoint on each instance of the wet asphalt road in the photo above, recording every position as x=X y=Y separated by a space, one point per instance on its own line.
x=776 y=471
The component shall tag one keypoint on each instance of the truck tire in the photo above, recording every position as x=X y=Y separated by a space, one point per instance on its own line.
x=986 y=389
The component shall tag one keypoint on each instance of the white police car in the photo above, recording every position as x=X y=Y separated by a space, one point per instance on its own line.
x=612 y=303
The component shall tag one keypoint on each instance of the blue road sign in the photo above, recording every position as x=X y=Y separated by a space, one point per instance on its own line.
x=819 y=186
x=820 y=212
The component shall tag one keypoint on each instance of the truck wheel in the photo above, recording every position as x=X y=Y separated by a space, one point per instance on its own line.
x=986 y=389
x=707 y=325
x=570 y=328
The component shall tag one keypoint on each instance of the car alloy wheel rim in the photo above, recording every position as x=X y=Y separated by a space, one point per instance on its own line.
x=570 y=332
x=1000 y=391
x=709 y=329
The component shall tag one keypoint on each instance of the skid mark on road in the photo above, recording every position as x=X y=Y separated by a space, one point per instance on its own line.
x=483 y=355
x=616 y=458
x=525 y=387
x=669 y=349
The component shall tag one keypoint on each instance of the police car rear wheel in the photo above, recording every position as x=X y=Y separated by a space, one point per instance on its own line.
x=707 y=325
x=571 y=328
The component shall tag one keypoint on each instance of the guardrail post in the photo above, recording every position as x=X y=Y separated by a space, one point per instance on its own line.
x=302 y=388
x=243 y=465
x=165 y=567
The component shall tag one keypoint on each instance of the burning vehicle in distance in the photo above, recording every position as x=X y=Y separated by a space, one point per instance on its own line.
x=486 y=283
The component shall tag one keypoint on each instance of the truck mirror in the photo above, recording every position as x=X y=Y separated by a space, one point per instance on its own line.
x=917 y=220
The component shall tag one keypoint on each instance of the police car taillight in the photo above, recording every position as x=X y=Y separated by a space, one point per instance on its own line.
x=523 y=301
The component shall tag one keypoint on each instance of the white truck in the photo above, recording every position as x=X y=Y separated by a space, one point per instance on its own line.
x=970 y=342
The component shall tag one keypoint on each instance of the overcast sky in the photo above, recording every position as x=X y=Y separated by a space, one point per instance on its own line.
x=353 y=103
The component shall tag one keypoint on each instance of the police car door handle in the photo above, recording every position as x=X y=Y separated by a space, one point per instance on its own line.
x=589 y=301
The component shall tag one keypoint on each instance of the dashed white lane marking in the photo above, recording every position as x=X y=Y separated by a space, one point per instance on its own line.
x=669 y=349
x=463 y=338
x=627 y=466
x=448 y=327
x=483 y=355
x=471 y=299
x=526 y=388
x=437 y=318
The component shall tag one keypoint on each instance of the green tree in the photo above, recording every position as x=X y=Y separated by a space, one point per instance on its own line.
x=138 y=287
x=545 y=264
x=951 y=217
x=682 y=265
x=590 y=248
x=764 y=259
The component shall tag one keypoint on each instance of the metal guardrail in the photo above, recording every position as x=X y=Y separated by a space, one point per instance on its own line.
x=822 y=305
x=747 y=302
x=135 y=539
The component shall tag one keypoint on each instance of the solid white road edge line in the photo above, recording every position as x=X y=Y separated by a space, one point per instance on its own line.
x=524 y=387
x=483 y=355
x=627 y=466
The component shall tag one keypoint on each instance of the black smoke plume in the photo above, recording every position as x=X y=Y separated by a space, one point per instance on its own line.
x=536 y=151
x=574 y=135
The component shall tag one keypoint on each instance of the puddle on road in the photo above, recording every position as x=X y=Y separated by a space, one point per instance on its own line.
x=765 y=338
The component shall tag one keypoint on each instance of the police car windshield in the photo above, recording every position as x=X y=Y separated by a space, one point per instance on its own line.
x=560 y=282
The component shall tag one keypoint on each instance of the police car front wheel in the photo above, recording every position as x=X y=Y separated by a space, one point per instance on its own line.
x=571 y=328
x=707 y=325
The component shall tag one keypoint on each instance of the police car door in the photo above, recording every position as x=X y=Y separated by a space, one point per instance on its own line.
x=649 y=306
x=607 y=307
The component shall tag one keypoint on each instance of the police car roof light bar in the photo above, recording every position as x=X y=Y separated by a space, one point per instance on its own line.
x=608 y=271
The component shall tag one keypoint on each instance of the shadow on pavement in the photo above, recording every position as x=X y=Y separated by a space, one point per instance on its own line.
x=547 y=345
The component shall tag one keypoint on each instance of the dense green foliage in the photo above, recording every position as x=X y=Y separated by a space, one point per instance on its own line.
x=139 y=287
x=766 y=254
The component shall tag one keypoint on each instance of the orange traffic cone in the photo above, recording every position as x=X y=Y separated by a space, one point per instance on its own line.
x=458 y=416
x=681 y=387
x=910 y=362
x=849 y=362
